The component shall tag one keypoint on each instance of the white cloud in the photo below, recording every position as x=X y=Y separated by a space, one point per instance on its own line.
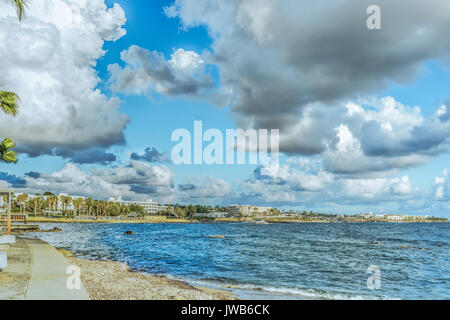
x=49 y=60
x=206 y=188
x=137 y=181
x=148 y=71
x=441 y=187
x=187 y=60
x=291 y=65
x=304 y=182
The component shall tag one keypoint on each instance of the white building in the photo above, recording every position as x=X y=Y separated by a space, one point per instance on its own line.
x=366 y=215
x=395 y=217
x=150 y=206
x=211 y=215
x=246 y=210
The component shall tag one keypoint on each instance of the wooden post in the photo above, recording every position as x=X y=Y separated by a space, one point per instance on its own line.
x=9 y=214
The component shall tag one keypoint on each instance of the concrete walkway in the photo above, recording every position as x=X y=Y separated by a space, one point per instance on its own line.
x=37 y=271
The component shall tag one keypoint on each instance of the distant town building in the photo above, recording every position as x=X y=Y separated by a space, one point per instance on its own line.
x=366 y=215
x=394 y=217
x=246 y=210
x=210 y=214
x=150 y=206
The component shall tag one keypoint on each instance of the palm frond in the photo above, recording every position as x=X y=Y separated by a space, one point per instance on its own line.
x=9 y=156
x=9 y=102
x=20 y=8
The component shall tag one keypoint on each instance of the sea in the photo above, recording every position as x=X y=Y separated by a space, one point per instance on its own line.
x=277 y=261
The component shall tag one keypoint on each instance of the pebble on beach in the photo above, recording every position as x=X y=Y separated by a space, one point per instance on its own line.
x=109 y=280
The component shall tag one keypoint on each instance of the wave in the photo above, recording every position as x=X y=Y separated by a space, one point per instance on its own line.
x=269 y=292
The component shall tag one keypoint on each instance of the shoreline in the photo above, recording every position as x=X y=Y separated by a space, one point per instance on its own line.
x=112 y=280
x=163 y=219
x=100 y=277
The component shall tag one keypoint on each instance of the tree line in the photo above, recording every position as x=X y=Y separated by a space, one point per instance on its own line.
x=48 y=203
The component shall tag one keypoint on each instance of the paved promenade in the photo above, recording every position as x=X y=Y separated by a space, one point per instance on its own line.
x=36 y=271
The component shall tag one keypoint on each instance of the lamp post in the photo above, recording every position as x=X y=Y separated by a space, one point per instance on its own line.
x=9 y=192
x=9 y=214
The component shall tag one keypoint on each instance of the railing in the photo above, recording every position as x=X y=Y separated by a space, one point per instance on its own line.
x=19 y=218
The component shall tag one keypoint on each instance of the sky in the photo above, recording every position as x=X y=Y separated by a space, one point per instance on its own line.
x=363 y=115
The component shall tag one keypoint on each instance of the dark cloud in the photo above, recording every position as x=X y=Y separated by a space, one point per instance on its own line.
x=150 y=155
x=279 y=57
x=187 y=187
x=429 y=138
x=93 y=155
x=33 y=174
x=143 y=189
x=90 y=154
x=15 y=181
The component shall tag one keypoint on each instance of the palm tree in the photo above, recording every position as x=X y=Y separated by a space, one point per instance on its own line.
x=37 y=204
x=102 y=207
x=68 y=201
x=62 y=202
x=77 y=203
x=5 y=201
x=20 y=8
x=21 y=199
x=6 y=154
x=9 y=102
x=89 y=203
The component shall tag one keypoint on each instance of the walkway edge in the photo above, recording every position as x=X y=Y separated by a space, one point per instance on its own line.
x=49 y=275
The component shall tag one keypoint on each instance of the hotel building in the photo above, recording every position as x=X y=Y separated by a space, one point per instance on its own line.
x=150 y=206
x=246 y=210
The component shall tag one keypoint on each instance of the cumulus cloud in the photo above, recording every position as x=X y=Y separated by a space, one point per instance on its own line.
x=150 y=155
x=137 y=181
x=147 y=71
x=441 y=188
x=206 y=188
x=137 y=173
x=304 y=181
x=291 y=64
x=49 y=60
x=382 y=135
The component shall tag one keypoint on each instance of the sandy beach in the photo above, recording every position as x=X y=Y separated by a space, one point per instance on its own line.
x=109 y=280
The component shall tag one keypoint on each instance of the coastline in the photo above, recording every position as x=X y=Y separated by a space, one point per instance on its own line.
x=164 y=219
x=150 y=219
x=188 y=254
x=111 y=280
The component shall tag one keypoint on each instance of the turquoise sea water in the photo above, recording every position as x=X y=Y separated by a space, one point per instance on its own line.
x=278 y=260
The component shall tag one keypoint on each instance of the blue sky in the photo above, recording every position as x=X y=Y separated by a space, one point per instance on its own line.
x=351 y=136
